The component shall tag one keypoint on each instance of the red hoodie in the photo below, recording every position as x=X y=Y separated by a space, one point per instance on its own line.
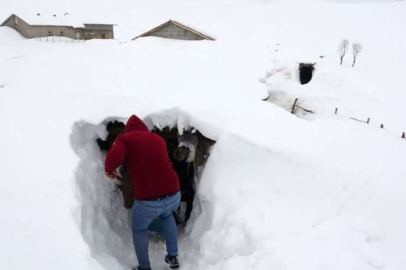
x=146 y=157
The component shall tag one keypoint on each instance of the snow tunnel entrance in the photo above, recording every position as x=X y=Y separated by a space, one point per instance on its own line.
x=306 y=72
x=104 y=222
x=188 y=153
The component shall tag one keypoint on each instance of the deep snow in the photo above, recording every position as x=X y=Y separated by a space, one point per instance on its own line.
x=278 y=192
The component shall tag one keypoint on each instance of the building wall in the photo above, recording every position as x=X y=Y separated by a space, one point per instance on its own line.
x=58 y=31
x=36 y=31
x=92 y=31
x=19 y=25
x=97 y=34
x=98 y=31
x=175 y=32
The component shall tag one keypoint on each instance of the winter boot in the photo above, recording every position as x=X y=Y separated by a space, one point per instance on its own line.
x=172 y=261
x=140 y=268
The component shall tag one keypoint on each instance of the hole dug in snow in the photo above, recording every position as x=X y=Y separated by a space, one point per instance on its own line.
x=187 y=153
x=306 y=72
x=103 y=214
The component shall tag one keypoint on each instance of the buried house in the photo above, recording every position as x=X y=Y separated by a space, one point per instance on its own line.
x=65 y=25
x=175 y=30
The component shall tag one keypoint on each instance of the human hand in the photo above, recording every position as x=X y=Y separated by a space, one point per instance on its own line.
x=111 y=175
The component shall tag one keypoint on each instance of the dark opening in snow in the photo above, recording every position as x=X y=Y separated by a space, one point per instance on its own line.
x=188 y=153
x=114 y=129
x=306 y=72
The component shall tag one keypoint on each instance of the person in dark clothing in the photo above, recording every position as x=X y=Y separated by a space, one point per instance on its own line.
x=126 y=187
x=185 y=173
x=155 y=185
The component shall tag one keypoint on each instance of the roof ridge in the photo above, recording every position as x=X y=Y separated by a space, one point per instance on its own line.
x=177 y=24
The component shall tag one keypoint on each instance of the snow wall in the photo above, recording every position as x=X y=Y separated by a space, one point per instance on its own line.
x=103 y=220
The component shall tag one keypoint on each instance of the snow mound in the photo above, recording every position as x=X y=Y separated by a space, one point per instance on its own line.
x=9 y=35
x=329 y=212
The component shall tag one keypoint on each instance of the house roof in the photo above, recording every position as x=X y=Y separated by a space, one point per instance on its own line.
x=177 y=24
x=62 y=19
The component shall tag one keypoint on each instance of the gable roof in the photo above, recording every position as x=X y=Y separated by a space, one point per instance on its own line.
x=6 y=20
x=203 y=36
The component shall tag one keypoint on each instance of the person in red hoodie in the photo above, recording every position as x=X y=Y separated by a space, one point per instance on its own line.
x=155 y=185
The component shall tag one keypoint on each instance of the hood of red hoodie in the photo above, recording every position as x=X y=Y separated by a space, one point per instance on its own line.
x=135 y=124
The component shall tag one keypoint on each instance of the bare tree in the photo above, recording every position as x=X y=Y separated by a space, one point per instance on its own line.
x=356 y=49
x=342 y=50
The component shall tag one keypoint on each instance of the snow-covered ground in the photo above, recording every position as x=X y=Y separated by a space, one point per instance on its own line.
x=278 y=191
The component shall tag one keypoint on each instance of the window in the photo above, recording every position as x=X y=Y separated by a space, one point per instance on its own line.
x=15 y=20
x=49 y=33
x=61 y=33
x=77 y=35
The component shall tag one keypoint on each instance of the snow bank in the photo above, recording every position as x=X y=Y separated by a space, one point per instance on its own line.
x=103 y=220
x=10 y=35
x=325 y=209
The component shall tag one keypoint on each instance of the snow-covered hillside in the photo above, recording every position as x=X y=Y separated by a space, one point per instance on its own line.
x=277 y=192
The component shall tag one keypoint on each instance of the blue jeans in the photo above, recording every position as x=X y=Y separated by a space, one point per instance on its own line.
x=142 y=214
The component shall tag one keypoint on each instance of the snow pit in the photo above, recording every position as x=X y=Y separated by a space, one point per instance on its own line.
x=103 y=214
x=306 y=72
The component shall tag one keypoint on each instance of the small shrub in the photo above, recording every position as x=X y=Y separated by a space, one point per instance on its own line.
x=342 y=50
x=356 y=50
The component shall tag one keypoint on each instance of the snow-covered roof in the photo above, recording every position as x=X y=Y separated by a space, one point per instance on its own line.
x=65 y=19
x=58 y=19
